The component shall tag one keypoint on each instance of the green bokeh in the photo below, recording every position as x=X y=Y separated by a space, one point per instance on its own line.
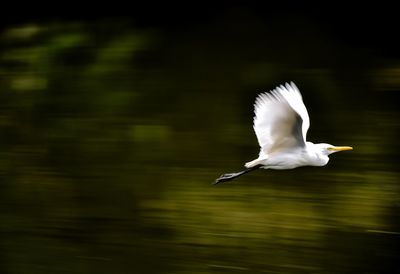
x=112 y=135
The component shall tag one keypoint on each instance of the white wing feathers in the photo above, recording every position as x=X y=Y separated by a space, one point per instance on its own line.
x=281 y=119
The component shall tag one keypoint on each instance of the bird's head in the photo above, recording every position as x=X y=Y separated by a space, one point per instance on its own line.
x=327 y=149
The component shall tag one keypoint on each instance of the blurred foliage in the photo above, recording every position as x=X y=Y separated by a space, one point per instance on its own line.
x=111 y=136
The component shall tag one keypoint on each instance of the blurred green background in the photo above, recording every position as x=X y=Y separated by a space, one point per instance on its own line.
x=112 y=131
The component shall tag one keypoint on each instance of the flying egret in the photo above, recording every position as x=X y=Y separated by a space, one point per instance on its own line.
x=281 y=122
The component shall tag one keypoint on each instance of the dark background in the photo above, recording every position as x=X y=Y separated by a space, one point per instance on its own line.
x=116 y=119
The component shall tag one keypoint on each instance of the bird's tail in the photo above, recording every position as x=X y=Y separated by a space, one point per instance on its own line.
x=253 y=163
x=230 y=176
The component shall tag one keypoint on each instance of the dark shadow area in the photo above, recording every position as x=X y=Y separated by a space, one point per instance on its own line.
x=112 y=129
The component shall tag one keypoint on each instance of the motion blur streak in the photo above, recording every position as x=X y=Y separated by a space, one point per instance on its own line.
x=111 y=134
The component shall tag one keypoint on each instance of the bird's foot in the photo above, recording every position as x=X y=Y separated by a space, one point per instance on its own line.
x=225 y=177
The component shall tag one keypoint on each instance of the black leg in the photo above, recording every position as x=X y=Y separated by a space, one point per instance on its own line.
x=230 y=176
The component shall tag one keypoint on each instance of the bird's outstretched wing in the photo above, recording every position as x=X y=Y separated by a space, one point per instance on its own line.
x=281 y=119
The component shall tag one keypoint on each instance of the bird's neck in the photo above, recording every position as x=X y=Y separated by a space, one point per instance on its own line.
x=316 y=157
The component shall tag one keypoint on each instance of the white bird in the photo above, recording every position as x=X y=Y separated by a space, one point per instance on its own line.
x=281 y=122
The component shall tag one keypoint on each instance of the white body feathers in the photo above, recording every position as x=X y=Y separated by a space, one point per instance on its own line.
x=281 y=123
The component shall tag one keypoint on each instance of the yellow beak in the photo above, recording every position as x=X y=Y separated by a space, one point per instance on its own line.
x=342 y=148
